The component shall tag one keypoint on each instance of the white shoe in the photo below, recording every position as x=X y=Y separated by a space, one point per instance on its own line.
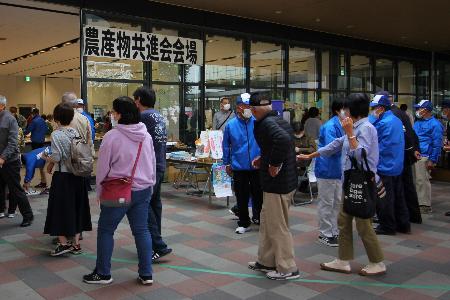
x=337 y=265
x=2 y=215
x=373 y=269
x=241 y=230
x=32 y=193
x=11 y=216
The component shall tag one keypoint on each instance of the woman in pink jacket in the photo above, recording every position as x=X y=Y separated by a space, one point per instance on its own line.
x=116 y=158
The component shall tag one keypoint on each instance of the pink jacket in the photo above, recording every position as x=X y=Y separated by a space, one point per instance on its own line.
x=118 y=152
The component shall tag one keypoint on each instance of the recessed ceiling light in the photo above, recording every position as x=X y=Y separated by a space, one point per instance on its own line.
x=54 y=47
x=278 y=12
x=317 y=19
x=349 y=26
x=425 y=42
x=42 y=51
x=403 y=37
x=68 y=43
x=3 y=63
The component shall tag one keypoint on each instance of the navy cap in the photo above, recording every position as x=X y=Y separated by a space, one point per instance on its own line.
x=260 y=99
x=424 y=104
x=445 y=104
x=380 y=100
x=243 y=99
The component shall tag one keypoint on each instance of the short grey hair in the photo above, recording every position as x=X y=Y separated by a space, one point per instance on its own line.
x=2 y=100
x=70 y=97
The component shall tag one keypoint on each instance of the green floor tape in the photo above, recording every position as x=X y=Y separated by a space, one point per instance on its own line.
x=243 y=275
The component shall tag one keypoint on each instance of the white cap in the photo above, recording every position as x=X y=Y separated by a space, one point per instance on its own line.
x=80 y=101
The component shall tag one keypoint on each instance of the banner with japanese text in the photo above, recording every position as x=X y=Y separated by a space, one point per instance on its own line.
x=125 y=44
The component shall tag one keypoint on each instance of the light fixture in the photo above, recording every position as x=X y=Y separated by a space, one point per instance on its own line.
x=278 y=12
x=42 y=51
x=425 y=42
x=349 y=26
x=317 y=20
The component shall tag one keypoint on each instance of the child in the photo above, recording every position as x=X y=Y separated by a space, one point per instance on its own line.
x=33 y=160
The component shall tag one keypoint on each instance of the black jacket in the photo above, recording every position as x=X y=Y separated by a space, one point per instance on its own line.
x=411 y=139
x=275 y=137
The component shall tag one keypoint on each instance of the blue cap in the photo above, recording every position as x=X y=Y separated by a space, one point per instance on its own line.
x=424 y=104
x=380 y=100
x=243 y=99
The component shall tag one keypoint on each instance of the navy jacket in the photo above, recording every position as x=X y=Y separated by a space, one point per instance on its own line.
x=329 y=167
x=430 y=133
x=239 y=144
x=156 y=127
x=38 y=129
x=391 y=143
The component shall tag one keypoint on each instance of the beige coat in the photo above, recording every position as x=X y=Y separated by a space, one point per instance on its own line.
x=81 y=124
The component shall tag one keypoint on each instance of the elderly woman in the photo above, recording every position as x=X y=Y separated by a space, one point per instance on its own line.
x=126 y=145
x=359 y=134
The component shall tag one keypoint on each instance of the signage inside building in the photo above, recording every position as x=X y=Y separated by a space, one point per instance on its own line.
x=126 y=44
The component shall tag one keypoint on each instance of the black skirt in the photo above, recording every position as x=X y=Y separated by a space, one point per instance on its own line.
x=68 y=211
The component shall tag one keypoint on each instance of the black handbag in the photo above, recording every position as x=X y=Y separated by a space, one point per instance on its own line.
x=360 y=191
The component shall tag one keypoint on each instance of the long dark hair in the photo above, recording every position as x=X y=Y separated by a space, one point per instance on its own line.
x=127 y=109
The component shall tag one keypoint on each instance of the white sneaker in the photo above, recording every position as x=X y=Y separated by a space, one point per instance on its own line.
x=241 y=230
x=373 y=269
x=32 y=192
x=2 y=215
x=11 y=216
x=337 y=265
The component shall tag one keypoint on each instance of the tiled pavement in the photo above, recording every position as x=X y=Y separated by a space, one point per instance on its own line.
x=209 y=260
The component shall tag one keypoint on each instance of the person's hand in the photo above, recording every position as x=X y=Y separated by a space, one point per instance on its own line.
x=273 y=171
x=50 y=167
x=447 y=148
x=303 y=157
x=229 y=170
x=430 y=165
x=347 y=125
x=2 y=161
x=26 y=186
x=256 y=163
x=417 y=155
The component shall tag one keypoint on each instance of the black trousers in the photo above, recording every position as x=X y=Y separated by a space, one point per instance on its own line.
x=392 y=211
x=10 y=176
x=409 y=189
x=35 y=145
x=246 y=184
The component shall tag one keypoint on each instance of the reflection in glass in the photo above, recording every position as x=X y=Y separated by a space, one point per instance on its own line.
x=224 y=61
x=442 y=81
x=406 y=78
x=189 y=120
x=409 y=100
x=100 y=95
x=325 y=69
x=361 y=73
x=168 y=103
x=302 y=68
x=266 y=68
x=423 y=80
x=384 y=75
x=301 y=99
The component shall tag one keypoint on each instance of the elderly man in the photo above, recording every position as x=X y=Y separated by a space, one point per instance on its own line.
x=239 y=150
x=224 y=115
x=430 y=132
x=81 y=109
x=278 y=173
x=392 y=210
x=10 y=163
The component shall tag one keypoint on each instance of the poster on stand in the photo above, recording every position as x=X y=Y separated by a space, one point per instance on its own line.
x=221 y=181
x=215 y=143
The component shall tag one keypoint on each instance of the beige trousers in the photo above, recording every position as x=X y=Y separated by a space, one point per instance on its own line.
x=276 y=247
x=422 y=180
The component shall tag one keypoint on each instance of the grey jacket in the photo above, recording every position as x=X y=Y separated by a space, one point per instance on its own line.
x=9 y=132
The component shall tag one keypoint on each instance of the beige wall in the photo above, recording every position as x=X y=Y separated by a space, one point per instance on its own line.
x=43 y=92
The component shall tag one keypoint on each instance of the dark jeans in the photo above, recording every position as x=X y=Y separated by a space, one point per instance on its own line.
x=246 y=184
x=10 y=176
x=154 y=215
x=110 y=217
x=392 y=210
x=409 y=188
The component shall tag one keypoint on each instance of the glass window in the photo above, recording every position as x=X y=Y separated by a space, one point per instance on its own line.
x=224 y=61
x=168 y=103
x=409 y=100
x=102 y=94
x=384 y=75
x=338 y=70
x=212 y=100
x=361 y=73
x=302 y=68
x=104 y=67
x=325 y=69
x=190 y=115
x=442 y=81
x=423 y=80
x=406 y=78
x=266 y=67
x=301 y=99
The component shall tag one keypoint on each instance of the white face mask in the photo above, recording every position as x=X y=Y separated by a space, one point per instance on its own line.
x=375 y=114
x=80 y=110
x=342 y=114
x=418 y=115
x=226 y=106
x=113 y=121
x=247 y=114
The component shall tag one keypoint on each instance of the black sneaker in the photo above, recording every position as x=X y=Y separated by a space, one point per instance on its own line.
x=41 y=185
x=146 y=280
x=158 y=254
x=76 y=249
x=256 y=221
x=329 y=241
x=95 y=278
x=27 y=222
x=256 y=266
x=234 y=211
x=61 y=249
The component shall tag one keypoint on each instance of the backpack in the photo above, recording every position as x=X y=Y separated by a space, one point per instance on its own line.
x=82 y=161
